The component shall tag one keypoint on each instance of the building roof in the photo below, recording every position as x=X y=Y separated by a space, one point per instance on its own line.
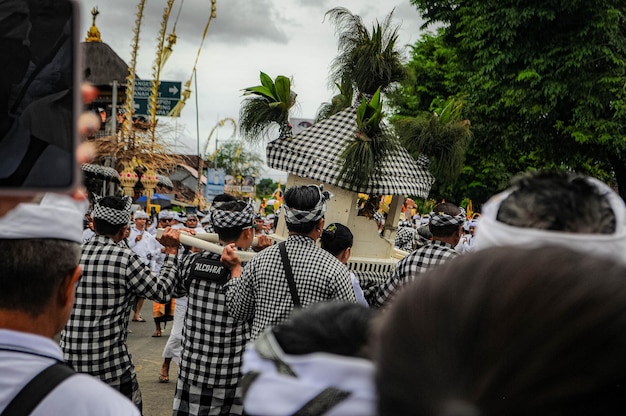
x=101 y=65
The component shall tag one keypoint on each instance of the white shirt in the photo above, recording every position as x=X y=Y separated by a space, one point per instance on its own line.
x=87 y=234
x=79 y=395
x=147 y=248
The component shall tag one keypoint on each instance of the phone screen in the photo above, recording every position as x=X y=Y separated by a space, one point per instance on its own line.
x=38 y=98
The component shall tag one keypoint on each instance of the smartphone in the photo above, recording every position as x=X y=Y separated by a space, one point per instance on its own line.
x=40 y=96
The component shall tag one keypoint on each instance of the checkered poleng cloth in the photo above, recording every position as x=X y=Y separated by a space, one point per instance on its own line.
x=422 y=259
x=195 y=401
x=316 y=153
x=212 y=341
x=111 y=215
x=440 y=219
x=262 y=293
x=229 y=219
x=405 y=237
x=94 y=339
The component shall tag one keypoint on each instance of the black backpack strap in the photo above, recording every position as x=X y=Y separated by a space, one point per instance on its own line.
x=37 y=389
x=289 y=275
x=323 y=402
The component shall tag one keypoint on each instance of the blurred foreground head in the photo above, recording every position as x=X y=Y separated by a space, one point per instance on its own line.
x=557 y=208
x=507 y=331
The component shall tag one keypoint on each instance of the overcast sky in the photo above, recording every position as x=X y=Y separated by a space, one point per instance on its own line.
x=278 y=37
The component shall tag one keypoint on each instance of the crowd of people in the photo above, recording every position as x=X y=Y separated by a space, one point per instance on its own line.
x=519 y=311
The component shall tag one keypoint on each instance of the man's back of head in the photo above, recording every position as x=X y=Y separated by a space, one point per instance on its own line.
x=562 y=208
x=111 y=214
x=446 y=219
x=304 y=207
x=558 y=201
x=231 y=219
x=39 y=252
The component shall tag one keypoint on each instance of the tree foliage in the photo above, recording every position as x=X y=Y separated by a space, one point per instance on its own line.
x=265 y=188
x=544 y=82
x=236 y=160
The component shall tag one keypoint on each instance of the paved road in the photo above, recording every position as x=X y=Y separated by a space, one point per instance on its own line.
x=146 y=351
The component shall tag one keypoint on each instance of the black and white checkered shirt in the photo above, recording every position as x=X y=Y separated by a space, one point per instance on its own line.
x=212 y=341
x=405 y=238
x=94 y=339
x=262 y=293
x=434 y=253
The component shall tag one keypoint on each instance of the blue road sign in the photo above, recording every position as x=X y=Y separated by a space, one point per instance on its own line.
x=169 y=96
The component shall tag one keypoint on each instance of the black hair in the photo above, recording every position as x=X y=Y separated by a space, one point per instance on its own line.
x=336 y=238
x=333 y=327
x=302 y=198
x=32 y=271
x=224 y=198
x=559 y=201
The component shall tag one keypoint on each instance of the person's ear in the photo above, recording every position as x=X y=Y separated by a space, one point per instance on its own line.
x=344 y=255
x=68 y=287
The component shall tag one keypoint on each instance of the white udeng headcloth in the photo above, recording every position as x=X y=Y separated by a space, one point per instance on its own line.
x=493 y=233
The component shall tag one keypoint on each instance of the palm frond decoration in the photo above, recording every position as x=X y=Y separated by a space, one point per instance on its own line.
x=169 y=48
x=442 y=135
x=369 y=60
x=361 y=157
x=266 y=104
x=157 y=156
x=339 y=102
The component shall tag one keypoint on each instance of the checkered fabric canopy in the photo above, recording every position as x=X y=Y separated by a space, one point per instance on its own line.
x=100 y=172
x=316 y=153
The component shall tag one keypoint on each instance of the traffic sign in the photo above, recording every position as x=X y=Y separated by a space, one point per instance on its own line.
x=169 y=96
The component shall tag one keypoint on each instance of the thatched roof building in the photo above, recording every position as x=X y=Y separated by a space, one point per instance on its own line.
x=102 y=66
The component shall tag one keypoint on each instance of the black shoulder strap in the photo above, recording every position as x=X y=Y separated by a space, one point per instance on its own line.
x=323 y=402
x=289 y=275
x=37 y=389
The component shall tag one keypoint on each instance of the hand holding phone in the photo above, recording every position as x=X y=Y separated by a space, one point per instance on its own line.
x=39 y=100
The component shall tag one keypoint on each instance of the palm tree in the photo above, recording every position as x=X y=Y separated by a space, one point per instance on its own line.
x=267 y=104
x=369 y=60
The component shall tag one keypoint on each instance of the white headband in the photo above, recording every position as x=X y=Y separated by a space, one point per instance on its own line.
x=493 y=233
x=297 y=216
x=55 y=217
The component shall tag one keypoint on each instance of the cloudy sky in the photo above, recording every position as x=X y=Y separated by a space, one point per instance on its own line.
x=278 y=37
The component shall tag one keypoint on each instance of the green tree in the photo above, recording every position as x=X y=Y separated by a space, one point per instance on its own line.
x=433 y=76
x=236 y=160
x=544 y=80
x=265 y=188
